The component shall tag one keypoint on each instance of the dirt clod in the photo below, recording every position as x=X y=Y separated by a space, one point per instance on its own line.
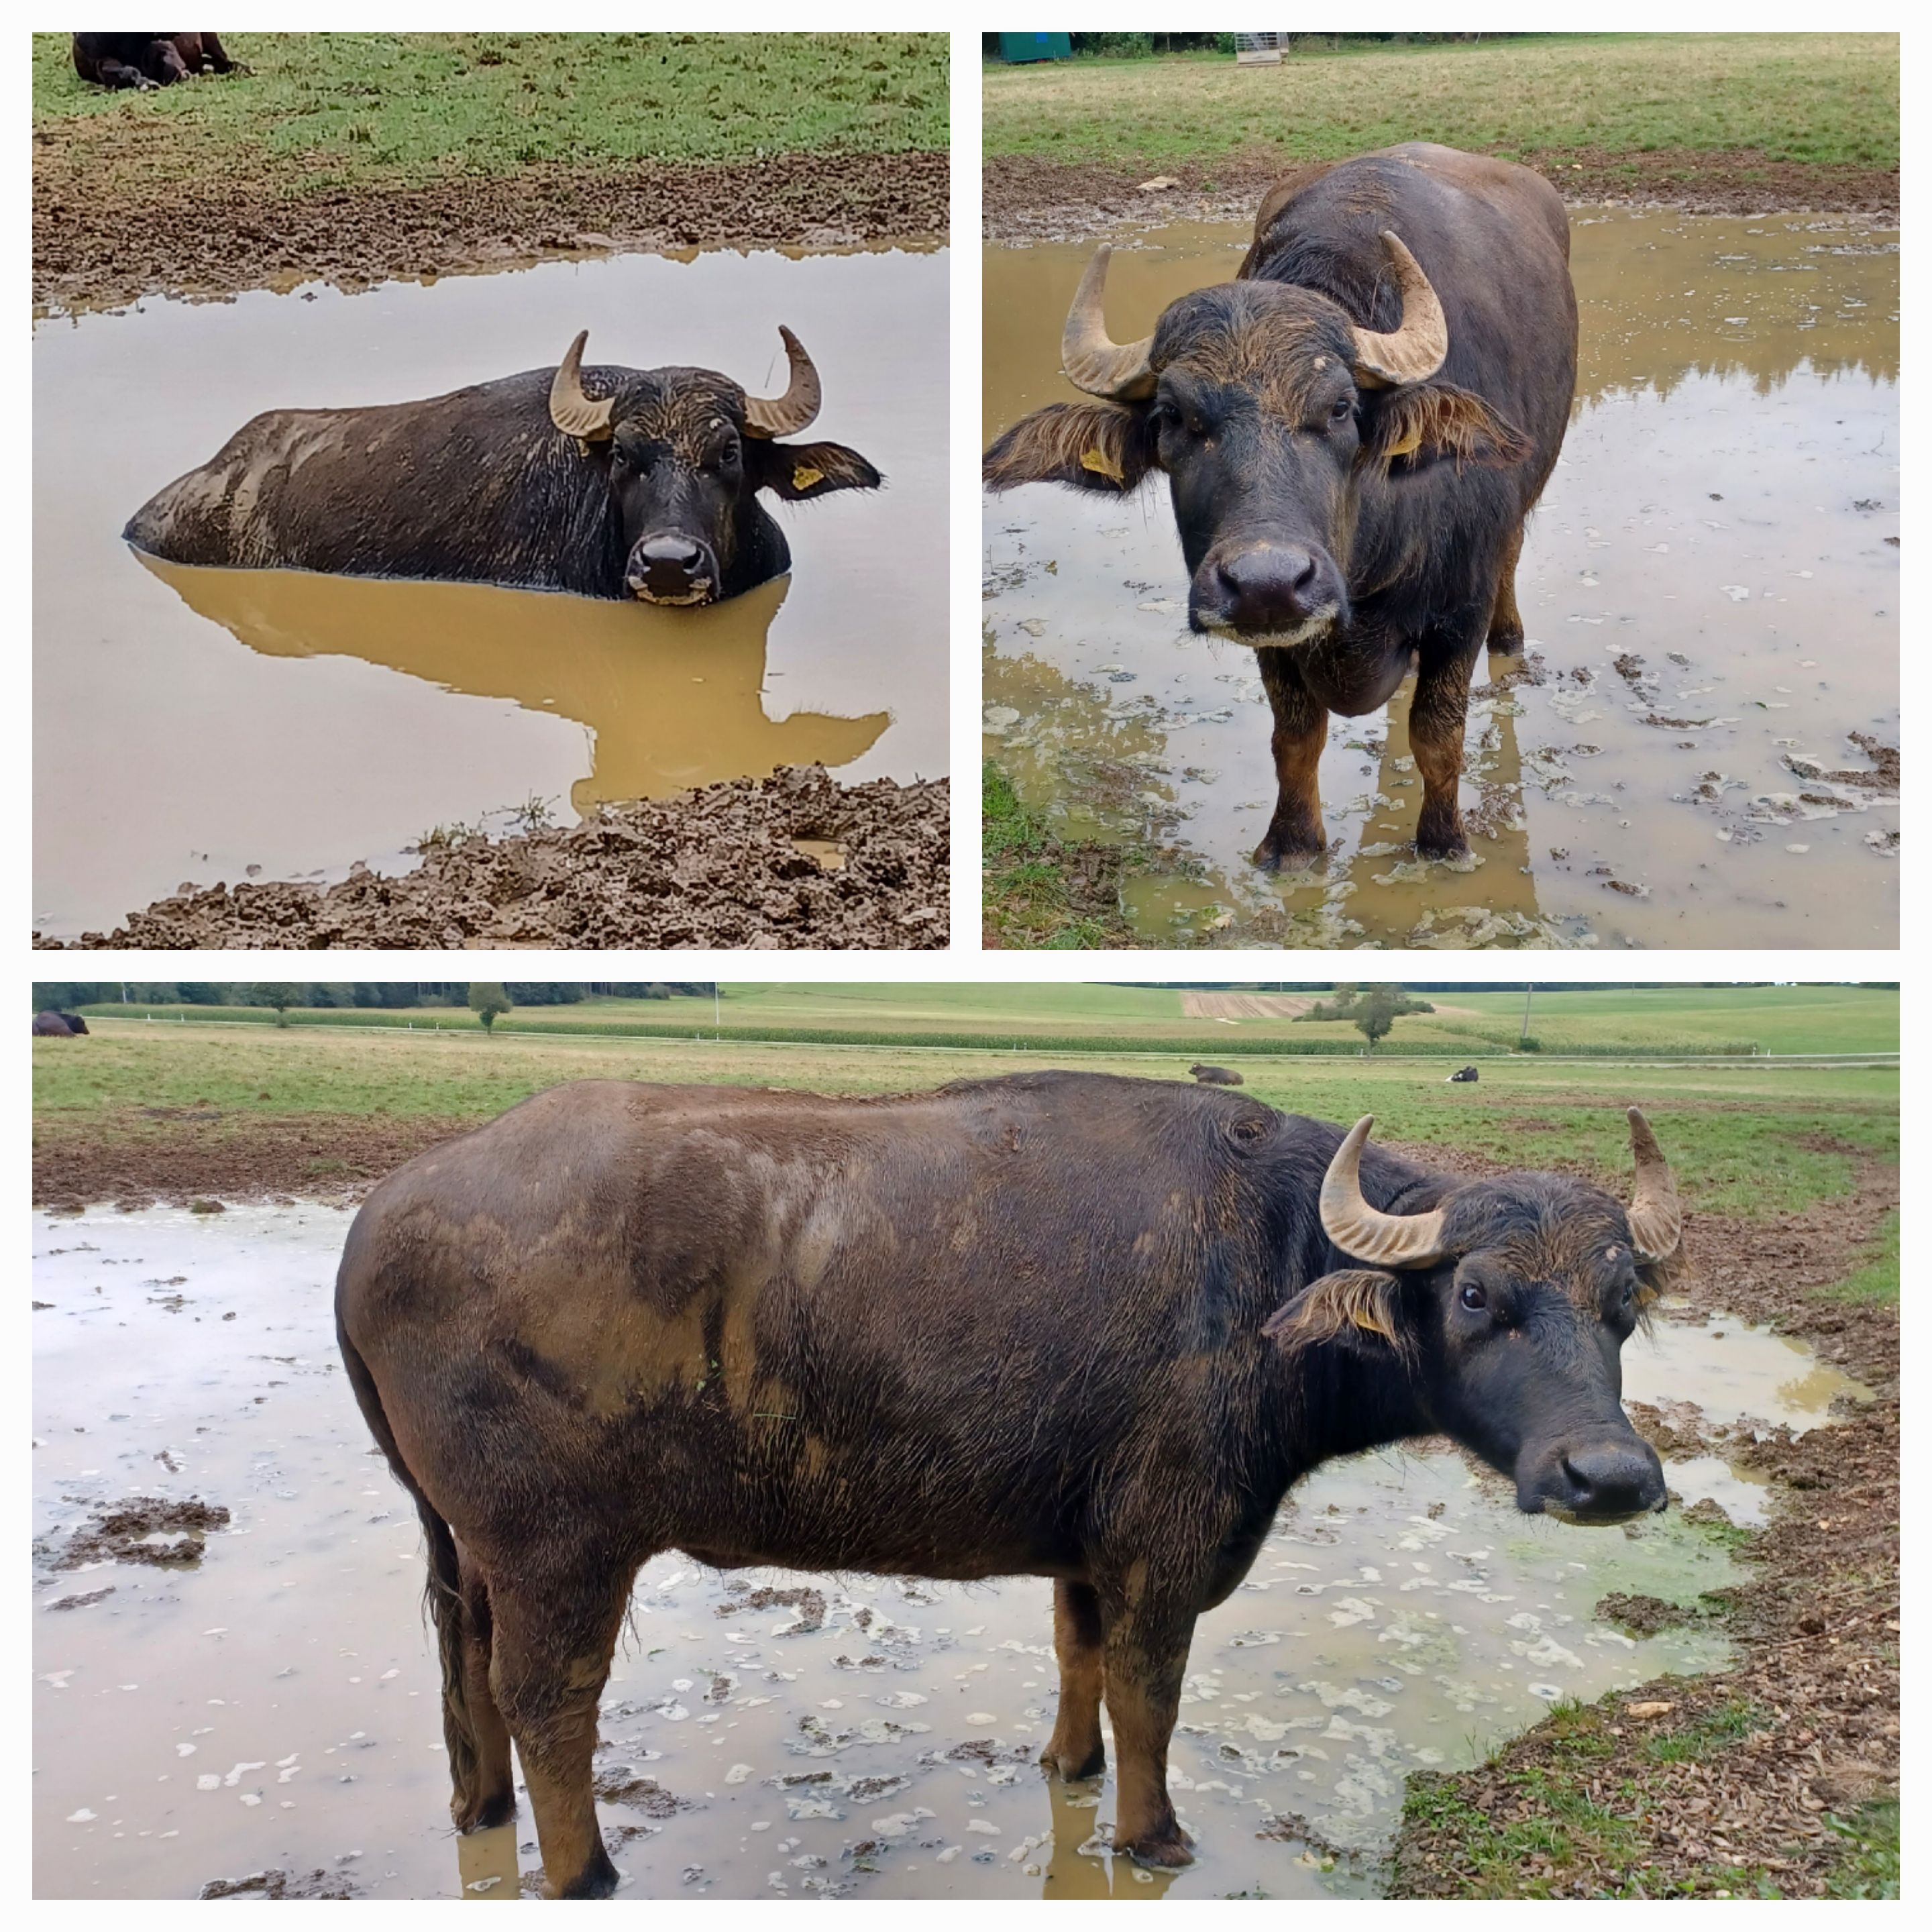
x=718 y=867
x=119 y=1535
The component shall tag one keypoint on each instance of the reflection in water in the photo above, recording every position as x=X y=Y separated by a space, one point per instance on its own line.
x=166 y=750
x=486 y=1864
x=1710 y=587
x=672 y=699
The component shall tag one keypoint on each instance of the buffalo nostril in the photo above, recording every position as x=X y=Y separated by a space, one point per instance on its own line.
x=670 y=556
x=1304 y=578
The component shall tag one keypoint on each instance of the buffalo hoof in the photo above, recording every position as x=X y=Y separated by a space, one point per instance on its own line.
x=1274 y=855
x=1164 y=1850
x=498 y=1809
x=1506 y=640
x=597 y=1879
x=1071 y=1764
x=1456 y=846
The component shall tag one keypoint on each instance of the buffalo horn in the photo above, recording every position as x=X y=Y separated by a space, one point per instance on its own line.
x=1656 y=1222
x=1388 y=1240
x=1088 y=359
x=1420 y=346
x=571 y=410
x=787 y=414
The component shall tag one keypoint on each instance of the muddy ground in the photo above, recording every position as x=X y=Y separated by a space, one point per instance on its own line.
x=720 y=867
x=1026 y=199
x=96 y=246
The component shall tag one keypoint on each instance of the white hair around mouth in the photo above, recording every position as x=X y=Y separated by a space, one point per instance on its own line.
x=1316 y=625
x=700 y=592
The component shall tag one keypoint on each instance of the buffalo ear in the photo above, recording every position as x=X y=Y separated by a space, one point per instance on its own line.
x=1106 y=446
x=1422 y=422
x=1358 y=1308
x=797 y=471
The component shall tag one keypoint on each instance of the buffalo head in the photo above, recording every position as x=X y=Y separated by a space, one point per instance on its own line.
x=1266 y=406
x=1507 y=1308
x=684 y=453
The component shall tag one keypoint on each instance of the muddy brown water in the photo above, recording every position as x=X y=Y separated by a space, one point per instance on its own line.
x=203 y=724
x=1707 y=583
x=273 y=1708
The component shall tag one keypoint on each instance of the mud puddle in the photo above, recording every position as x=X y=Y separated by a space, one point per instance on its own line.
x=260 y=1712
x=1710 y=589
x=204 y=725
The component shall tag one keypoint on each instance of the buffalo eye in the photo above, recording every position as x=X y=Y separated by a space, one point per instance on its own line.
x=1342 y=411
x=1165 y=419
x=1474 y=1297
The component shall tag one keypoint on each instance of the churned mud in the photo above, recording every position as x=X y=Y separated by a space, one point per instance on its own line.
x=1028 y=199
x=795 y=860
x=205 y=724
x=1699 y=745
x=96 y=246
x=265 y=1723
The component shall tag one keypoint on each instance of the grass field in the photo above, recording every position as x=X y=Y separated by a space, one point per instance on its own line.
x=1774 y=1019
x=1745 y=1139
x=333 y=110
x=1814 y=98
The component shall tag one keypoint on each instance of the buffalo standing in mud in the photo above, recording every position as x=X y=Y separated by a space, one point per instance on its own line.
x=609 y=482
x=1059 y=1325
x=149 y=60
x=1353 y=431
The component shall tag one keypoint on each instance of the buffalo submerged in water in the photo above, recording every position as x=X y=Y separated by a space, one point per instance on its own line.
x=1353 y=431
x=609 y=482
x=1063 y=1325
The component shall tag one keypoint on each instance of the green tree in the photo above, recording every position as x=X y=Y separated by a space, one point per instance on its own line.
x=279 y=994
x=488 y=1002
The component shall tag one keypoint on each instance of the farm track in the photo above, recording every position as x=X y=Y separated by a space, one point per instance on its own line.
x=212 y=233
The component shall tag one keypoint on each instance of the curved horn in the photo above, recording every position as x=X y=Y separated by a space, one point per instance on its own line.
x=787 y=414
x=1656 y=1222
x=1088 y=359
x=1421 y=345
x=1388 y=1241
x=571 y=410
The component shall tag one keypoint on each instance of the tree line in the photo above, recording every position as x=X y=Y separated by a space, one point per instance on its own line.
x=66 y=995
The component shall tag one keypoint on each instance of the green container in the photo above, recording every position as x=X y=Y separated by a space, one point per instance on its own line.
x=1015 y=49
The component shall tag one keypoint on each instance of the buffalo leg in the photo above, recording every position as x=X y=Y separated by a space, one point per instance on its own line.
x=1505 y=620
x=216 y=55
x=1294 y=835
x=488 y=1795
x=549 y=1653
x=1437 y=715
x=1145 y=1659
x=111 y=73
x=169 y=66
x=1075 y=1749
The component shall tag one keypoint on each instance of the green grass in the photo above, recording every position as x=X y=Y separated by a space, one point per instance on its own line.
x=1870 y=1868
x=1745 y=1140
x=1709 y=1731
x=1036 y=893
x=325 y=110
x=1812 y=97
x=1876 y=1277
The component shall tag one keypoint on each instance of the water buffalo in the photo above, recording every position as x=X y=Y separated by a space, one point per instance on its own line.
x=1060 y=1324
x=638 y=483
x=1353 y=431
x=149 y=60
x=52 y=1025
x=1215 y=1076
x=1463 y=1073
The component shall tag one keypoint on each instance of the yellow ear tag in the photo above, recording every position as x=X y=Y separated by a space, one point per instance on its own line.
x=804 y=476
x=1409 y=445
x=1102 y=465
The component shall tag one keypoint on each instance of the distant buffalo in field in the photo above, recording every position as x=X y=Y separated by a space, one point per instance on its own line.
x=609 y=482
x=1216 y=1076
x=51 y=1025
x=149 y=60
x=1466 y=1073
